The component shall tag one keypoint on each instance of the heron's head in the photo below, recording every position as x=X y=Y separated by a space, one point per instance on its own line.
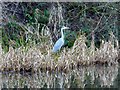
x=65 y=27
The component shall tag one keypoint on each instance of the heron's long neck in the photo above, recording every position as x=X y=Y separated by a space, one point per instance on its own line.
x=62 y=33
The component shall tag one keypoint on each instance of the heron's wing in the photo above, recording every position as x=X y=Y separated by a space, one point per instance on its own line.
x=58 y=44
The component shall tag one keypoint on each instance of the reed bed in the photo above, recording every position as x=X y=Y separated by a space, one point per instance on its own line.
x=34 y=59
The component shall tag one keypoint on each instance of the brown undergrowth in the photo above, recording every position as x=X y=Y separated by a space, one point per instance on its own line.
x=35 y=59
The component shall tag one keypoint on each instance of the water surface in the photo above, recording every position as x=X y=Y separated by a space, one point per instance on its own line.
x=89 y=77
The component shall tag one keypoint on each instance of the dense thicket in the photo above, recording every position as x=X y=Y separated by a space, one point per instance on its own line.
x=92 y=17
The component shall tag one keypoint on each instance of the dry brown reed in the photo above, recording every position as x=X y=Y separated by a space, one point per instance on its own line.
x=34 y=59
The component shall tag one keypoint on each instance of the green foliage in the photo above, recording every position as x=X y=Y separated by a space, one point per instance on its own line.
x=83 y=17
x=35 y=14
x=70 y=38
x=5 y=41
x=12 y=35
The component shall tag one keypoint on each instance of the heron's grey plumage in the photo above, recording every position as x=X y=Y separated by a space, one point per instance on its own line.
x=60 y=41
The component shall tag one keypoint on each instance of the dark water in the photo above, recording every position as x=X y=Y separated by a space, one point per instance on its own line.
x=84 y=77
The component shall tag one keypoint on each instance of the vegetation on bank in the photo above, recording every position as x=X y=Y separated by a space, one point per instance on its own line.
x=38 y=58
x=30 y=30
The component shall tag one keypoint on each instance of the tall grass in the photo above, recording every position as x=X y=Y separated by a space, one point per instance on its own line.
x=41 y=57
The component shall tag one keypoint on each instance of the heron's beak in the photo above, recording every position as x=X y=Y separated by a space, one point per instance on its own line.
x=66 y=28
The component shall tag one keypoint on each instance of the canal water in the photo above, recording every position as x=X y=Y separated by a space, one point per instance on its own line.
x=84 y=77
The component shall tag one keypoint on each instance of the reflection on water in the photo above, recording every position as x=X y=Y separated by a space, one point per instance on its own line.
x=84 y=77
